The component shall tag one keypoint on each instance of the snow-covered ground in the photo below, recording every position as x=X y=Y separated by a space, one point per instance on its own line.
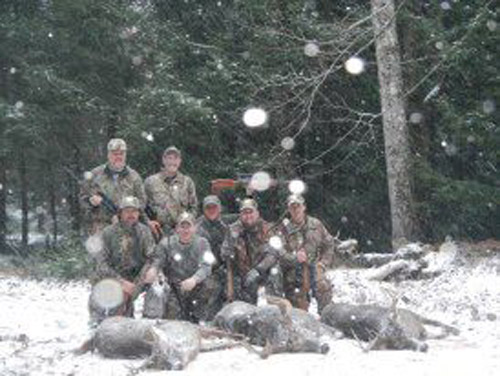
x=42 y=321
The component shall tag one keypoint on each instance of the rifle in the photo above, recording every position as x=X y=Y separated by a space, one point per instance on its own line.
x=313 y=280
x=153 y=216
x=186 y=313
x=230 y=281
x=106 y=202
x=140 y=284
x=150 y=212
x=306 y=274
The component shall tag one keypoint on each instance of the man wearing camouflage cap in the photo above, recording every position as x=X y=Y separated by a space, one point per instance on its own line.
x=186 y=260
x=105 y=186
x=127 y=254
x=211 y=227
x=169 y=192
x=307 y=251
x=247 y=253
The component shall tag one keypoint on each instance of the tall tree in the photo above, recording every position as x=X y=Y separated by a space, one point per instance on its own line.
x=396 y=140
x=3 y=204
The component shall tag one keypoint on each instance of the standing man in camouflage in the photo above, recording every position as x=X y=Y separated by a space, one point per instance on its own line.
x=248 y=256
x=307 y=251
x=211 y=227
x=106 y=185
x=169 y=192
x=127 y=256
x=186 y=260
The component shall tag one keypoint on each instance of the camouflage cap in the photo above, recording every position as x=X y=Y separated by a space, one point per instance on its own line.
x=117 y=144
x=248 y=203
x=295 y=199
x=130 y=202
x=172 y=150
x=185 y=217
x=211 y=200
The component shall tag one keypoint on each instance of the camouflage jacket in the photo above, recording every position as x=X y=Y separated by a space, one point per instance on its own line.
x=249 y=248
x=214 y=232
x=115 y=186
x=169 y=199
x=126 y=252
x=312 y=236
x=180 y=261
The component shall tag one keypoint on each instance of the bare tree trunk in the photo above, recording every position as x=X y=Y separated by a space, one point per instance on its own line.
x=24 y=201
x=397 y=148
x=53 y=214
x=3 y=204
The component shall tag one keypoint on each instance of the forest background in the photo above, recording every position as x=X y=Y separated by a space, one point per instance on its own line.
x=161 y=72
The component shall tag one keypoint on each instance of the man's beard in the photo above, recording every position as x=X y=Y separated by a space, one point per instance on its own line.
x=129 y=223
x=117 y=167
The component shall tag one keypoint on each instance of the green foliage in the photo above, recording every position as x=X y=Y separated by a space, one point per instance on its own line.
x=69 y=260
x=456 y=143
x=75 y=73
x=458 y=208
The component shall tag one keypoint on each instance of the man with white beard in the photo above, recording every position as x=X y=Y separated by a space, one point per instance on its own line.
x=106 y=185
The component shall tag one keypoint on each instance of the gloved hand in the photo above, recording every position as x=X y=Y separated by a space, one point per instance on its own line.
x=155 y=227
x=251 y=278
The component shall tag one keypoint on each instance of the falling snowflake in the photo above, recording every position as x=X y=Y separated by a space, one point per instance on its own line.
x=148 y=136
x=276 y=242
x=354 y=65
x=445 y=5
x=491 y=25
x=311 y=49
x=137 y=60
x=288 y=143
x=208 y=257
x=254 y=117
x=297 y=187
x=260 y=181
x=488 y=106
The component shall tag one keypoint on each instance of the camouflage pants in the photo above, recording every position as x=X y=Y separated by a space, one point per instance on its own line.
x=216 y=283
x=272 y=281
x=304 y=281
x=192 y=305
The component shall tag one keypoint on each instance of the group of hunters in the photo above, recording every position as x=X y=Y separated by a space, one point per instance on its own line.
x=205 y=261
